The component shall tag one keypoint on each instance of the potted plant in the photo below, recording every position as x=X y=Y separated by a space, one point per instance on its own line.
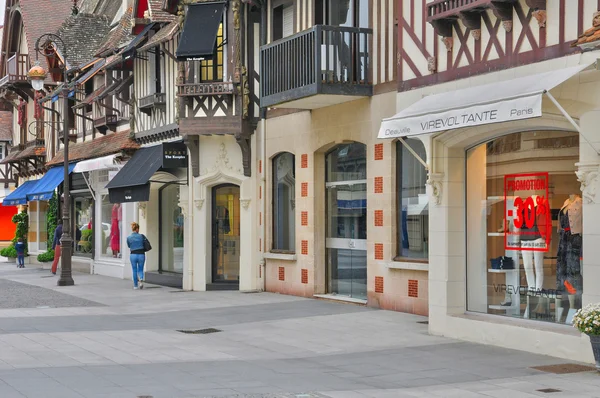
x=587 y=320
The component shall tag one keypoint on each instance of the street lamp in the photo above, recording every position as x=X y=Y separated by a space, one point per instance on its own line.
x=37 y=75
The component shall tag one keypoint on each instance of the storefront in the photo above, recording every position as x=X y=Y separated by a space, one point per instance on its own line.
x=37 y=233
x=152 y=179
x=513 y=169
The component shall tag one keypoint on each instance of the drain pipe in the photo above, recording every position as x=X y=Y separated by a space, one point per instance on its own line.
x=263 y=155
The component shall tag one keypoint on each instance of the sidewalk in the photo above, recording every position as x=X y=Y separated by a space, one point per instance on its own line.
x=100 y=338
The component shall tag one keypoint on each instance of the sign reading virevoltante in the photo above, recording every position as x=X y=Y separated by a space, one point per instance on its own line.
x=527 y=212
x=496 y=112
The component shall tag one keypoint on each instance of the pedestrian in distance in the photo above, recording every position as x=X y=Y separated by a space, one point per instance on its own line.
x=139 y=245
x=20 y=247
x=56 y=245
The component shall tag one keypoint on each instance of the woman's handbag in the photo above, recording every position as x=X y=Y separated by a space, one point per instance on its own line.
x=147 y=245
x=502 y=262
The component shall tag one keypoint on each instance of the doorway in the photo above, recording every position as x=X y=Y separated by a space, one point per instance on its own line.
x=346 y=240
x=226 y=235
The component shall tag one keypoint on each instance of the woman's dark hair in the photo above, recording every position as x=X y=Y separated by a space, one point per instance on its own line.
x=59 y=222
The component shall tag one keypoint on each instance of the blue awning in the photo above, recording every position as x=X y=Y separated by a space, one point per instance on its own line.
x=19 y=195
x=46 y=185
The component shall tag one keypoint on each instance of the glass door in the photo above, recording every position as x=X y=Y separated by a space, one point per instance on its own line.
x=226 y=234
x=346 y=238
x=171 y=230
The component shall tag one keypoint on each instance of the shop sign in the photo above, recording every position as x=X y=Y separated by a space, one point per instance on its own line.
x=495 y=112
x=174 y=155
x=527 y=215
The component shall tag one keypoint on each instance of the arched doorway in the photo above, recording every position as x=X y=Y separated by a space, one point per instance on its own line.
x=346 y=235
x=226 y=235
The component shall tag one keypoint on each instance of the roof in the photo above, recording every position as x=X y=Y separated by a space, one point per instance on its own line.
x=83 y=34
x=110 y=8
x=592 y=34
x=164 y=34
x=118 y=37
x=91 y=97
x=40 y=17
x=107 y=145
x=6 y=126
x=31 y=152
x=12 y=157
x=157 y=14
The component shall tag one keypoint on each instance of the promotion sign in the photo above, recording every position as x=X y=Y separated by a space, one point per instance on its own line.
x=527 y=211
x=476 y=115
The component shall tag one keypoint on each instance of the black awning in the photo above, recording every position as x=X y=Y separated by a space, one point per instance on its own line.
x=199 y=36
x=129 y=51
x=132 y=182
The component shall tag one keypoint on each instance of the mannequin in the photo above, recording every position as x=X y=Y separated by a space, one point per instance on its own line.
x=513 y=240
x=568 y=258
x=115 y=231
x=533 y=238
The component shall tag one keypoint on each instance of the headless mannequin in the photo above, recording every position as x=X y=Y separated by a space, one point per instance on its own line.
x=565 y=261
x=531 y=259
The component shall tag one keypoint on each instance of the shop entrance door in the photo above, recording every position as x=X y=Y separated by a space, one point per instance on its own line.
x=226 y=234
x=346 y=240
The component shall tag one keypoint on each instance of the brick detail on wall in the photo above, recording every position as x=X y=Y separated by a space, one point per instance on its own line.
x=378 y=151
x=281 y=273
x=304 y=189
x=304 y=161
x=379 y=284
x=413 y=288
x=378 y=184
x=305 y=276
x=260 y=218
x=305 y=247
x=378 y=218
x=378 y=251
x=260 y=166
x=260 y=244
x=304 y=218
x=260 y=192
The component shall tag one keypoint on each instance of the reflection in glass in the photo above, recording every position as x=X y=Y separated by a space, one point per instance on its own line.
x=226 y=234
x=171 y=233
x=532 y=286
x=347 y=270
x=347 y=207
x=284 y=215
x=413 y=215
x=347 y=162
x=84 y=231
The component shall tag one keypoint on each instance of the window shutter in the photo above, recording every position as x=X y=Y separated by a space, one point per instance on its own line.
x=288 y=21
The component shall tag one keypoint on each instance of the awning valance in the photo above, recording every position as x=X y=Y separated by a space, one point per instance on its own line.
x=199 y=36
x=46 y=185
x=103 y=163
x=19 y=195
x=132 y=182
x=503 y=101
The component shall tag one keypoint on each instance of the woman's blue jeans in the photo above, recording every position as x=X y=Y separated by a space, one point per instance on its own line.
x=137 y=266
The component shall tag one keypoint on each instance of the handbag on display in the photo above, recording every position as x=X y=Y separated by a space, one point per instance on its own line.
x=502 y=262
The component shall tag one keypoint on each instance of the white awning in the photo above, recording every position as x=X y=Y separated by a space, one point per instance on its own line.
x=503 y=101
x=106 y=162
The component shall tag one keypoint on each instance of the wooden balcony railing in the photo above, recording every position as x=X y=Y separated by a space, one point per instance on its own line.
x=151 y=101
x=323 y=59
x=103 y=123
x=16 y=69
x=444 y=9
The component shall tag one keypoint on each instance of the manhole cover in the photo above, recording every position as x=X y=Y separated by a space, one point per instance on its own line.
x=152 y=287
x=145 y=396
x=564 y=368
x=200 y=331
x=549 y=390
x=177 y=291
x=424 y=322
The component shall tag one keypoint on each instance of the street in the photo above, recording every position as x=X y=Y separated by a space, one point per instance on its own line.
x=100 y=338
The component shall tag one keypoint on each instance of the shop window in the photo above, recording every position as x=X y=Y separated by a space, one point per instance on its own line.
x=524 y=227
x=112 y=228
x=156 y=71
x=2 y=150
x=284 y=195
x=413 y=202
x=171 y=230
x=83 y=210
x=283 y=21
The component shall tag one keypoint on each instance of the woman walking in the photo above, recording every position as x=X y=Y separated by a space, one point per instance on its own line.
x=135 y=242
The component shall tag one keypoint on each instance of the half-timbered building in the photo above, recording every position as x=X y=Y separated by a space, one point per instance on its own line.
x=495 y=125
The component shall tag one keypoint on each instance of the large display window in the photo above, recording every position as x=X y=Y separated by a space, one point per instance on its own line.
x=171 y=230
x=112 y=227
x=524 y=227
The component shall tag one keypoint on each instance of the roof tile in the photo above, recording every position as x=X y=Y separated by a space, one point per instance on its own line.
x=6 y=126
x=103 y=146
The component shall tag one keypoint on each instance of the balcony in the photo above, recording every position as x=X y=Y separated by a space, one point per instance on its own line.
x=16 y=70
x=322 y=66
x=106 y=122
x=149 y=102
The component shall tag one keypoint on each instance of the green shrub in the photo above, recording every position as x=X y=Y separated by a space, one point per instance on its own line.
x=9 y=252
x=52 y=218
x=46 y=257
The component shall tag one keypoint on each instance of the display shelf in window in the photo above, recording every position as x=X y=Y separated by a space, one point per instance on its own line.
x=504 y=307
x=502 y=271
x=496 y=233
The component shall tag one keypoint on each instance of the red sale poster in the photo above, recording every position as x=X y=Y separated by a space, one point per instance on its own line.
x=526 y=207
